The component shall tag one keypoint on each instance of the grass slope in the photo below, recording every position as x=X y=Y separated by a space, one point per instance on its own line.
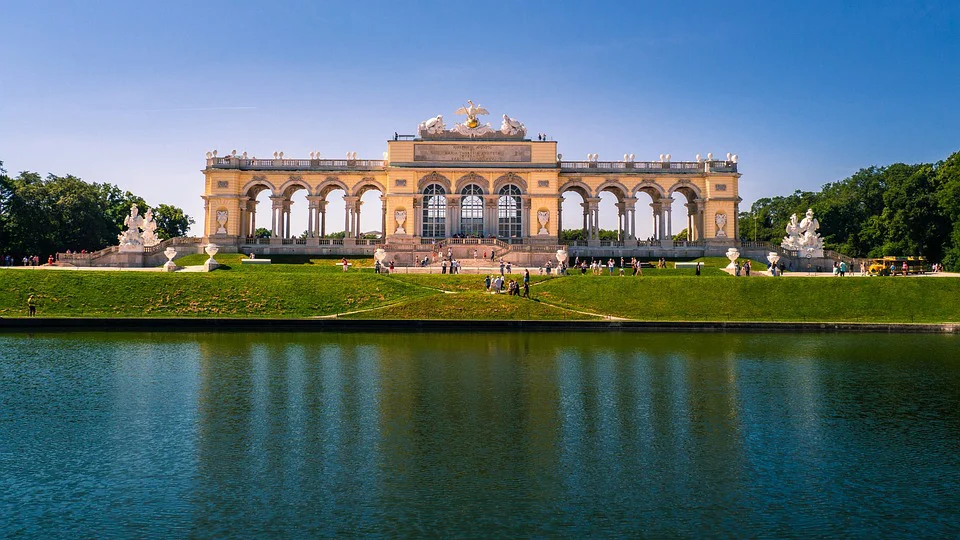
x=215 y=294
x=475 y=305
x=761 y=298
x=307 y=287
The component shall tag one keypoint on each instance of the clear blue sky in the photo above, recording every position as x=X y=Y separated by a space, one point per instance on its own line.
x=135 y=93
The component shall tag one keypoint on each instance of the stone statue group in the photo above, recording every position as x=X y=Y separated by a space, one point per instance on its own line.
x=802 y=236
x=132 y=239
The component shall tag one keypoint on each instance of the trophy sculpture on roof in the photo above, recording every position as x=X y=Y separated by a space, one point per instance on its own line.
x=472 y=127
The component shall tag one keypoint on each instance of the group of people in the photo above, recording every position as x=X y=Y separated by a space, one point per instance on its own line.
x=454 y=266
x=597 y=266
x=745 y=269
x=495 y=284
x=380 y=268
x=27 y=260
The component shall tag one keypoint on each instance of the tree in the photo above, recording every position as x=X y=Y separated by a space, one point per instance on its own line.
x=171 y=221
x=680 y=236
x=262 y=233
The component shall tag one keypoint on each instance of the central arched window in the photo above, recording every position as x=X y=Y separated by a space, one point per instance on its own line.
x=471 y=211
x=509 y=212
x=434 y=212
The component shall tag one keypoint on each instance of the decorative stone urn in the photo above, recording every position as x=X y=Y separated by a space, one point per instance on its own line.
x=211 y=250
x=170 y=266
x=733 y=254
x=774 y=258
x=379 y=255
x=562 y=256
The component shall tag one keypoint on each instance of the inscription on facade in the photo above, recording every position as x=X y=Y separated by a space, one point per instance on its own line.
x=543 y=183
x=400 y=183
x=223 y=184
x=720 y=187
x=472 y=153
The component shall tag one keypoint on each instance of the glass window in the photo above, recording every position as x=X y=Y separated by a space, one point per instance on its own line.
x=434 y=211
x=509 y=210
x=471 y=211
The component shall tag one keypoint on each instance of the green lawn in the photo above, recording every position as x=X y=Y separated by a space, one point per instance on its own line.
x=289 y=292
x=307 y=287
x=762 y=298
x=476 y=305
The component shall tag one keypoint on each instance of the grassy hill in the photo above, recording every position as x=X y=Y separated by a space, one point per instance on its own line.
x=313 y=287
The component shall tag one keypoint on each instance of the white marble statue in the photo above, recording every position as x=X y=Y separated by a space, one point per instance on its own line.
x=400 y=216
x=432 y=126
x=130 y=239
x=149 y=226
x=543 y=216
x=803 y=237
x=512 y=126
x=721 y=221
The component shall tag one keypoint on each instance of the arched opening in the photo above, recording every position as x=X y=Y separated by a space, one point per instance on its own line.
x=646 y=216
x=295 y=211
x=331 y=211
x=471 y=211
x=434 y=212
x=509 y=212
x=612 y=214
x=258 y=212
x=372 y=217
x=685 y=215
x=574 y=217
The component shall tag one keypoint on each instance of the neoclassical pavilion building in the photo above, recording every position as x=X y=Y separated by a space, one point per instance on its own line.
x=473 y=183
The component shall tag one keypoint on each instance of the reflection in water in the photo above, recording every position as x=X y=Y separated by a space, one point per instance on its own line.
x=479 y=434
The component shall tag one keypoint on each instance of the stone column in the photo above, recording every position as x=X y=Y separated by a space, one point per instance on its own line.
x=383 y=219
x=593 y=205
x=526 y=206
x=657 y=214
x=586 y=220
x=560 y=220
x=417 y=216
x=311 y=215
x=451 y=226
x=630 y=205
x=276 y=216
x=357 y=233
x=287 y=233
x=252 y=213
x=322 y=214
x=350 y=208
x=491 y=219
x=621 y=211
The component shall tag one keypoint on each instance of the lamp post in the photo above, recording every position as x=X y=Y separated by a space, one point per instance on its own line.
x=754 y=226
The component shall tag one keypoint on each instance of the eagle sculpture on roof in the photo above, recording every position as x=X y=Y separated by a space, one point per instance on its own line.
x=472 y=111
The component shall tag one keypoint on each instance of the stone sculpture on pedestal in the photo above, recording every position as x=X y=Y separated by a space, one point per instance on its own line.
x=130 y=240
x=170 y=266
x=400 y=216
x=803 y=237
x=150 y=230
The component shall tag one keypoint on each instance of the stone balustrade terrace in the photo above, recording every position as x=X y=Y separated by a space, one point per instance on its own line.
x=295 y=164
x=658 y=167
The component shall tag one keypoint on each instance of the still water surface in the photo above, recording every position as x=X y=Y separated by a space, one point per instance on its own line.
x=479 y=435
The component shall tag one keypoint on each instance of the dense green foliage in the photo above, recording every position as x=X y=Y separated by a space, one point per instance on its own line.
x=42 y=216
x=895 y=210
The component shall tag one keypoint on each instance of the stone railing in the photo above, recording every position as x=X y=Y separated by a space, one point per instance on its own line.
x=650 y=166
x=294 y=164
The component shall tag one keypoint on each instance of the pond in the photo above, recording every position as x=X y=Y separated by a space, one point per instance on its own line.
x=479 y=434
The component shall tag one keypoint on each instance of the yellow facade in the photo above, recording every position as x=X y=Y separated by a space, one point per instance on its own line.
x=528 y=174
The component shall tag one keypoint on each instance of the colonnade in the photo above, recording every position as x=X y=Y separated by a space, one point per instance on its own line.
x=662 y=215
x=281 y=226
